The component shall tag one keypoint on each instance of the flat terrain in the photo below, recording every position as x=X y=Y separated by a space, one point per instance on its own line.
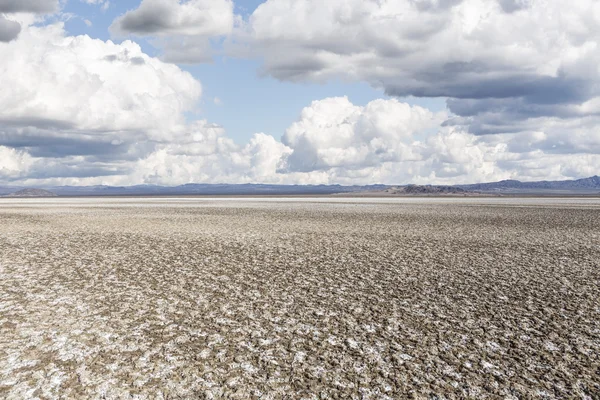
x=300 y=298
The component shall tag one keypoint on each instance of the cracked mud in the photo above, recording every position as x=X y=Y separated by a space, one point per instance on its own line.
x=299 y=299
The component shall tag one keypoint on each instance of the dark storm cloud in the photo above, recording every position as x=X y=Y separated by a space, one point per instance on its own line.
x=33 y=6
x=9 y=30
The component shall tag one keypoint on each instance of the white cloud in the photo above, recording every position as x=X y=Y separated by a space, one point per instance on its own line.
x=175 y=17
x=335 y=133
x=13 y=163
x=385 y=141
x=335 y=141
x=209 y=156
x=83 y=84
x=390 y=40
x=392 y=142
x=74 y=110
x=502 y=63
x=83 y=107
x=17 y=12
x=183 y=29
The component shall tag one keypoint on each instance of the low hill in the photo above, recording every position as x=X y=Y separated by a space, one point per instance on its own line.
x=586 y=185
x=32 y=193
x=420 y=190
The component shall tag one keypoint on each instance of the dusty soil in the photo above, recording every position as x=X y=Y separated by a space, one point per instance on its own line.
x=299 y=299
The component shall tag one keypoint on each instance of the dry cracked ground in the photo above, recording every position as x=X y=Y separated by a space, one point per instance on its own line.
x=299 y=299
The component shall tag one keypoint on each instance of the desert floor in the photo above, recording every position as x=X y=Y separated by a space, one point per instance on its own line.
x=300 y=298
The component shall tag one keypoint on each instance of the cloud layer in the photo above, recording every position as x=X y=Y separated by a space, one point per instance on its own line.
x=87 y=103
x=182 y=29
x=335 y=133
x=521 y=80
x=505 y=65
x=9 y=30
x=335 y=141
x=28 y=6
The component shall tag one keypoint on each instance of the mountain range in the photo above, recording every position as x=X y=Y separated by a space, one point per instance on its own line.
x=591 y=185
x=585 y=186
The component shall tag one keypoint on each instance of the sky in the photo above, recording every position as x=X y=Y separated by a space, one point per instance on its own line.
x=298 y=91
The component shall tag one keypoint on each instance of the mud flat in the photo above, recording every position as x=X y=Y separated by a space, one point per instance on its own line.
x=300 y=298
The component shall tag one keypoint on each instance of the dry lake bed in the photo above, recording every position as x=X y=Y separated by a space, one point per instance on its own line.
x=295 y=298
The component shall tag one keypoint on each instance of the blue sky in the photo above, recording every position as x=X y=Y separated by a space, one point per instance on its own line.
x=309 y=91
x=249 y=103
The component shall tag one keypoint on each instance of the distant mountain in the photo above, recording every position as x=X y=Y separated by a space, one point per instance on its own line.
x=4 y=190
x=417 y=190
x=586 y=186
x=32 y=193
x=209 y=190
x=583 y=186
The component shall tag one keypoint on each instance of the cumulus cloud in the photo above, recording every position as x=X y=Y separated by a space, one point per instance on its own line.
x=66 y=96
x=13 y=163
x=413 y=48
x=384 y=141
x=10 y=28
x=81 y=111
x=335 y=133
x=335 y=141
x=522 y=99
x=183 y=29
x=211 y=157
x=168 y=17
x=80 y=84
x=501 y=63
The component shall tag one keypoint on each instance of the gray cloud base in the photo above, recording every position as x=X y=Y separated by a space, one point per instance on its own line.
x=506 y=67
x=182 y=29
x=520 y=78
x=148 y=20
x=9 y=30
x=31 y=6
